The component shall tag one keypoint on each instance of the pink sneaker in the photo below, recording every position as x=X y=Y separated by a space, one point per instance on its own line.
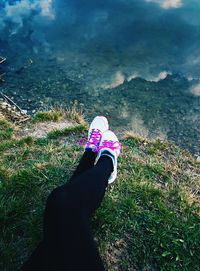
x=97 y=127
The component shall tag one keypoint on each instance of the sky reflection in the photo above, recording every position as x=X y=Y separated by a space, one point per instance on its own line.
x=144 y=37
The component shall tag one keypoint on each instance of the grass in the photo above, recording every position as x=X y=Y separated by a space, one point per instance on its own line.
x=64 y=132
x=6 y=129
x=148 y=220
x=56 y=113
x=14 y=143
x=52 y=115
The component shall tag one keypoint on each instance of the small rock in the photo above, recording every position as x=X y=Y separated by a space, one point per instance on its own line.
x=198 y=158
x=85 y=64
x=24 y=112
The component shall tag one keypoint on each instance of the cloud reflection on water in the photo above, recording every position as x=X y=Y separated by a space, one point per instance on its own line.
x=143 y=37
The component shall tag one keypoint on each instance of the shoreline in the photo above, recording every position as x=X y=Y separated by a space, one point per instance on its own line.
x=165 y=109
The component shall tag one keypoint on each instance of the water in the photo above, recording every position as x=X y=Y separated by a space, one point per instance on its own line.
x=97 y=54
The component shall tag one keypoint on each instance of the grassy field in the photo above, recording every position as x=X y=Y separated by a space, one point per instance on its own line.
x=149 y=219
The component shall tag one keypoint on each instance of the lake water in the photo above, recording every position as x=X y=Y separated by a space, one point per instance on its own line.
x=135 y=61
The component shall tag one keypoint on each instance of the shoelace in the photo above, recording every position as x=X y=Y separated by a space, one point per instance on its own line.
x=113 y=145
x=95 y=137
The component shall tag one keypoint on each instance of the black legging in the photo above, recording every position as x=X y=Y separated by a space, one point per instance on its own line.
x=67 y=239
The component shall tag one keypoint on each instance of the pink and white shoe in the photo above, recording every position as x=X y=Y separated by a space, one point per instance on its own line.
x=110 y=146
x=97 y=127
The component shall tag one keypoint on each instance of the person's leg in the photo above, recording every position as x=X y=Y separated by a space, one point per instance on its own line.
x=86 y=162
x=97 y=127
x=68 y=243
x=35 y=261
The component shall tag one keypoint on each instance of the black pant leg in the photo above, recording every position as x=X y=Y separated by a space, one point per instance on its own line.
x=86 y=162
x=68 y=243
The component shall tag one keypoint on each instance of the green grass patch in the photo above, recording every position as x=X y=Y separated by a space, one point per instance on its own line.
x=16 y=143
x=6 y=134
x=4 y=124
x=149 y=218
x=64 y=132
x=52 y=115
x=6 y=129
x=157 y=146
x=131 y=142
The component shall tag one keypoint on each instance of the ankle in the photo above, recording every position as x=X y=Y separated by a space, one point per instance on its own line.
x=105 y=158
x=110 y=155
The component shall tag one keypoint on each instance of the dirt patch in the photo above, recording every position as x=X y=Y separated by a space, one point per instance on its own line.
x=114 y=253
x=40 y=130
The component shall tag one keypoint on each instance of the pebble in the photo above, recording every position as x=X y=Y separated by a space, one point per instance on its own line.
x=4 y=104
x=85 y=64
x=24 y=112
x=198 y=158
